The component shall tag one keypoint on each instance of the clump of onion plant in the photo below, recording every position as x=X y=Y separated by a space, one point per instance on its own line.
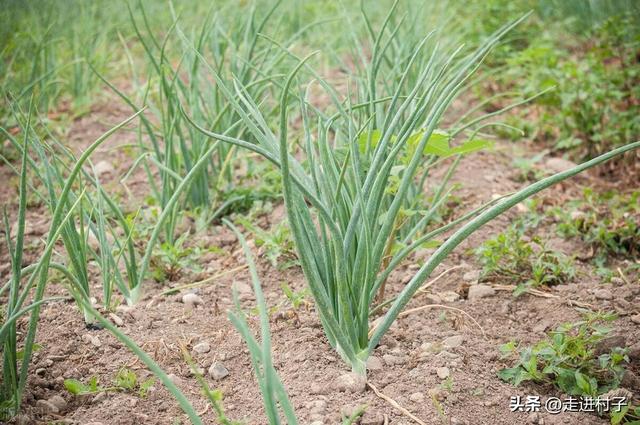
x=345 y=202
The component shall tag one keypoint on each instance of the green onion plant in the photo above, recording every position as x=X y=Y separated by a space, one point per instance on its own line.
x=344 y=201
x=271 y=387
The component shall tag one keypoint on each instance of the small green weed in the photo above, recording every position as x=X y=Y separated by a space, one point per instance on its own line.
x=276 y=242
x=171 y=260
x=125 y=380
x=608 y=222
x=571 y=359
x=510 y=258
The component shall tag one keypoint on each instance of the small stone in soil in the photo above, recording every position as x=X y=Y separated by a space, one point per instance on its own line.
x=453 y=341
x=417 y=397
x=351 y=382
x=630 y=380
x=372 y=418
x=471 y=276
x=46 y=407
x=242 y=287
x=449 y=296
x=558 y=165
x=317 y=406
x=535 y=418
x=218 y=371
x=442 y=372
x=199 y=371
x=99 y=398
x=433 y=298
x=349 y=410
x=91 y=339
x=116 y=319
x=59 y=402
x=202 y=347
x=174 y=378
x=634 y=351
x=317 y=389
x=480 y=291
x=374 y=363
x=609 y=343
x=391 y=360
x=192 y=300
x=636 y=319
x=103 y=167
x=436 y=393
x=603 y=294
x=430 y=347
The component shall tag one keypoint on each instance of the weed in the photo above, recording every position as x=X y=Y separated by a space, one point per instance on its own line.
x=295 y=298
x=509 y=257
x=125 y=380
x=608 y=222
x=570 y=358
x=276 y=243
x=170 y=260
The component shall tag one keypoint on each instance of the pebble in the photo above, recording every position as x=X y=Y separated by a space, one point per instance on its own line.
x=202 y=347
x=430 y=348
x=99 y=398
x=471 y=276
x=453 y=341
x=218 y=371
x=450 y=296
x=417 y=397
x=174 y=378
x=351 y=382
x=630 y=380
x=198 y=371
x=437 y=393
x=480 y=291
x=46 y=407
x=242 y=288
x=92 y=339
x=59 y=402
x=349 y=410
x=535 y=418
x=634 y=351
x=433 y=298
x=391 y=360
x=617 y=281
x=116 y=319
x=543 y=325
x=603 y=294
x=316 y=388
x=103 y=167
x=374 y=363
x=558 y=165
x=636 y=319
x=372 y=418
x=447 y=355
x=192 y=300
x=442 y=372
x=607 y=344
x=317 y=406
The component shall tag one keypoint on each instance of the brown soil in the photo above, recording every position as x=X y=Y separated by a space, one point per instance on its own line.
x=307 y=364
